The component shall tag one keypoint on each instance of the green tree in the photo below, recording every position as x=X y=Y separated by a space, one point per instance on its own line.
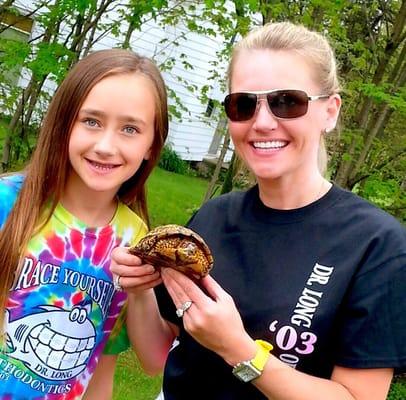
x=370 y=42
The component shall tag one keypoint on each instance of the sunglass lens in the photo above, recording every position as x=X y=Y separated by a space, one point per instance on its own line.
x=240 y=106
x=288 y=103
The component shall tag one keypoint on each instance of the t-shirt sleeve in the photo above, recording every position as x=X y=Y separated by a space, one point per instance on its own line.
x=118 y=340
x=165 y=304
x=9 y=188
x=373 y=321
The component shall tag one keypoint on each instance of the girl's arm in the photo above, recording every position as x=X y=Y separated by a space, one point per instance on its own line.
x=150 y=335
x=101 y=384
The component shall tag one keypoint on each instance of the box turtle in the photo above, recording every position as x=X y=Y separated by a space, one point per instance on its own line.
x=176 y=247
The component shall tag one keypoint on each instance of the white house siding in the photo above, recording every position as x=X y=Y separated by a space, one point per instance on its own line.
x=191 y=136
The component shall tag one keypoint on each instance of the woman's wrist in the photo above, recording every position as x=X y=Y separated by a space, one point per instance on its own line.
x=243 y=350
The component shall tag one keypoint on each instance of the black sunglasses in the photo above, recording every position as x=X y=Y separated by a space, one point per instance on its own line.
x=286 y=104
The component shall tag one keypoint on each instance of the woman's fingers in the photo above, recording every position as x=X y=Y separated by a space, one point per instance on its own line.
x=213 y=289
x=174 y=288
x=183 y=289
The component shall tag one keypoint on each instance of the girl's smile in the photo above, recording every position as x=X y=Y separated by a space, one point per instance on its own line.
x=112 y=135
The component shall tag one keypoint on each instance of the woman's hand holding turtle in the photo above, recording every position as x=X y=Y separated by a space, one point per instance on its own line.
x=130 y=274
x=212 y=319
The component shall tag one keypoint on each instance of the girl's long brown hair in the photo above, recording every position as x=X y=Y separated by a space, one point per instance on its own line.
x=47 y=172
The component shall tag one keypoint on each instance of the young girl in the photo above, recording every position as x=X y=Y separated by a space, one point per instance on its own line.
x=82 y=194
x=307 y=295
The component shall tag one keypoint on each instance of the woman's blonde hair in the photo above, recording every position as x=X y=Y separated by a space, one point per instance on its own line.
x=47 y=172
x=312 y=46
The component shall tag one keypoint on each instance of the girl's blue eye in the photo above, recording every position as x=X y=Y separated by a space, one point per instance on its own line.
x=130 y=130
x=90 y=122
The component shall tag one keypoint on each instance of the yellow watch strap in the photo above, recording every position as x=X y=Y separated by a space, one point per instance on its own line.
x=262 y=355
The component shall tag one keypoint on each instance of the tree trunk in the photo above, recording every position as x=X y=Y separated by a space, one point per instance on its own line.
x=25 y=97
x=86 y=25
x=17 y=116
x=228 y=180
x=378 y=125
x=346 y=168
x=399 y=154
x=128 y=34
x=217 y=169
x=26 y=118
x=90 y=41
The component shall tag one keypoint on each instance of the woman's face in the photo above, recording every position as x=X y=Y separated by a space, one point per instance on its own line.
x=280 y=149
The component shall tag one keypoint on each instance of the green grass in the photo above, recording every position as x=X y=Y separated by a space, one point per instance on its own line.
x=172 y=198
x=398 y=389
x=130 y=382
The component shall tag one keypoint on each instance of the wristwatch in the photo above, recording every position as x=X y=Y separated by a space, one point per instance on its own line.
x=246 y=371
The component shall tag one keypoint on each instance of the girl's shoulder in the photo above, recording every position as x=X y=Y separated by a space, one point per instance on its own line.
x=126 y=215
x=11 y=182
x=128 y=224
x=10 y=186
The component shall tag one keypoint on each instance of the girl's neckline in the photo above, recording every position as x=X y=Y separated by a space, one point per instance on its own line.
x=73 y=222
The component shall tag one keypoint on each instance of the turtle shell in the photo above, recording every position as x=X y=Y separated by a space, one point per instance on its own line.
x=177 y=247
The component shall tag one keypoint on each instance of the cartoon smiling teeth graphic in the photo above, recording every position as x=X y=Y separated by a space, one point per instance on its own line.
x=55 y=344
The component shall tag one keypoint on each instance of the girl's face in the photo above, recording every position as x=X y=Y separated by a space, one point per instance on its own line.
x=280 y=149
x=112 y=135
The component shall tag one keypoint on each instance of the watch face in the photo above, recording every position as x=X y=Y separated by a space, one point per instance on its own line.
x=246 y=372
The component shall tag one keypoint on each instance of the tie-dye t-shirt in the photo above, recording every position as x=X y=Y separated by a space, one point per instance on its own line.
x=62 y=305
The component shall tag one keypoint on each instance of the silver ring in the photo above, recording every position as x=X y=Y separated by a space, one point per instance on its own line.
x=184 y=307
x=116 y=283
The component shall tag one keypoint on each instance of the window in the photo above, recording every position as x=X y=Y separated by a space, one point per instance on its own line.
x=17 y=22
x=210 y=108
x=13 y=27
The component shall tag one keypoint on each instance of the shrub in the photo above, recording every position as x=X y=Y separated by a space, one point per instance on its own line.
x=170 y=161
x=398 y=388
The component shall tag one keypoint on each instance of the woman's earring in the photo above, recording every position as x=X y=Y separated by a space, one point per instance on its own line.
x=327 y=130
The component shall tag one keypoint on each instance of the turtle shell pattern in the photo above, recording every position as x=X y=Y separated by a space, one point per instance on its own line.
x=176 y=247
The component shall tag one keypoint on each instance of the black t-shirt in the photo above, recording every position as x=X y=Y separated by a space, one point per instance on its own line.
x=325 y=284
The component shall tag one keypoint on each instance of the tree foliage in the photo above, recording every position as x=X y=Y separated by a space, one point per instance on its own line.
x=369 y=37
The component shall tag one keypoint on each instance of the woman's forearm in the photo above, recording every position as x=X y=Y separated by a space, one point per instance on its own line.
x=282 y=382
x=279 y=381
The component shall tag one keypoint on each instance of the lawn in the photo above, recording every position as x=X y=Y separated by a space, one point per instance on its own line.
x=172 y=198
x=130 y=382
